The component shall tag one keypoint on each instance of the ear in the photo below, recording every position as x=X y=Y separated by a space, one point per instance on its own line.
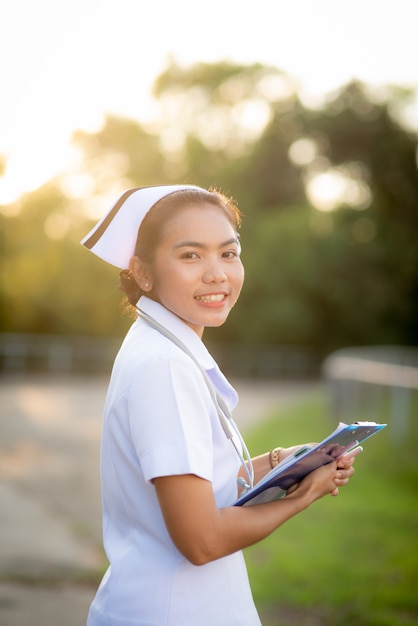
x=140 y=273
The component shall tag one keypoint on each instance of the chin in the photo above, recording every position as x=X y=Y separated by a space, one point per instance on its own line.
x=216 y=324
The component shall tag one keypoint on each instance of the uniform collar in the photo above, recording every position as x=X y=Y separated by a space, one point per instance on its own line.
x=182 y=331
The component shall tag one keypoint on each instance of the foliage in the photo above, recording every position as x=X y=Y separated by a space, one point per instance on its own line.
x=322 y=280
x=346 y=560
x=43 y=284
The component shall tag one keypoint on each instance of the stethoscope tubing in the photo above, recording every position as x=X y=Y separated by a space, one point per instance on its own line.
x=222 y=409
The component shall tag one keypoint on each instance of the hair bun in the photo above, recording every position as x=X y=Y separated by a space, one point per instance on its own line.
x=129 y=286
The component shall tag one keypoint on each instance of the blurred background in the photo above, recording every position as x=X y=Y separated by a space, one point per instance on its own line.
x=305 y=112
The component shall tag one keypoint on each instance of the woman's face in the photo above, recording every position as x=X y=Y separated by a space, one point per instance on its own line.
x=197 y=272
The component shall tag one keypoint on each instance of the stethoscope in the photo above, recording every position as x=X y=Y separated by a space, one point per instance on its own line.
x=222 y=409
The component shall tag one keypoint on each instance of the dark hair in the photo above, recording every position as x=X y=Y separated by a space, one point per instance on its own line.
x=153 y=225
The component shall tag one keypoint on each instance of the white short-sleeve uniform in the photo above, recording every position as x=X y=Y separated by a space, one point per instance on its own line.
x=160 y=420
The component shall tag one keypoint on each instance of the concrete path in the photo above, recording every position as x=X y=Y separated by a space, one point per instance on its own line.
x=50 y=509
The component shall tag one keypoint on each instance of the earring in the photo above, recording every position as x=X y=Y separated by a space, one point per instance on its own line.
x=146 y=284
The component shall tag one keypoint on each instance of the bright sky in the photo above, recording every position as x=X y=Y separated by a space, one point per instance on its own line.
x=66 y=63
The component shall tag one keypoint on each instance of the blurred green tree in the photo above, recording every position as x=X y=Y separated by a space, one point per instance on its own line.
x=212 y=118
x=329 y=196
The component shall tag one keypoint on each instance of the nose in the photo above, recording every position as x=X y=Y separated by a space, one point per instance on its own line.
x=214 y=272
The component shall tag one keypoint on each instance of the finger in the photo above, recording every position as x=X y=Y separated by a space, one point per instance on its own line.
x=342 y=478
x=348 y=473
x=345 y=473
x=354 y=452
x=343 y=463
x=349 y=458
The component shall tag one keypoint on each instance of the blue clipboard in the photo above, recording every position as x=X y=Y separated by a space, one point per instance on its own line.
x=291 y=470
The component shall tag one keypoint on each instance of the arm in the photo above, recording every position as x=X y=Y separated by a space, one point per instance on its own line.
x=203 y=533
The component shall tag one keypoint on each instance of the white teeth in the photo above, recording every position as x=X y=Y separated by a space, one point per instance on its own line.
x=211 y=298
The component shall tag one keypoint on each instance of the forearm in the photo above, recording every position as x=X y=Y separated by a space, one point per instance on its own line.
x=240 y=527
x=204 y=533
x=245 y=525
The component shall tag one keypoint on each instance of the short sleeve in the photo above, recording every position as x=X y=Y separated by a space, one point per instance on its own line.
x=169 y=415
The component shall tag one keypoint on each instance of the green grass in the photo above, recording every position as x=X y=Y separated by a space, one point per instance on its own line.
x=349 y=560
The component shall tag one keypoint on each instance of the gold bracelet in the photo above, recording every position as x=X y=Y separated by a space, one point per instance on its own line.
x=274 y=457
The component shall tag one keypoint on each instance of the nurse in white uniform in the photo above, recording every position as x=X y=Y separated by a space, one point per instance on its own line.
x=171 y=462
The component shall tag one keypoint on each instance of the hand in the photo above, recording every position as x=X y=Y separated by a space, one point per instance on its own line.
x=343 y=466
x=345 y=471
x=316 y=484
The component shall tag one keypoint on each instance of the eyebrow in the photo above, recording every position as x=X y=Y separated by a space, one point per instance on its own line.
x=197 y=244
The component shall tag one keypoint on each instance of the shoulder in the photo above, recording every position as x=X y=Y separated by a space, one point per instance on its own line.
x=146 y=355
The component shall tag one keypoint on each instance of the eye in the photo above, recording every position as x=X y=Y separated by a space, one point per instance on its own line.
x=230 y=254
x=189 y=256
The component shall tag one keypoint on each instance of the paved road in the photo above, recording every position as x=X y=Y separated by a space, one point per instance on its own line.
x=50 y=515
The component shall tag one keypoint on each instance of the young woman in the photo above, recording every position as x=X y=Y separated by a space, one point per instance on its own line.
x=170 y=468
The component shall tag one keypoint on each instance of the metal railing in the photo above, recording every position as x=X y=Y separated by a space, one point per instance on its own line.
x=77 y=354
x=55 y=353
x=373 y=383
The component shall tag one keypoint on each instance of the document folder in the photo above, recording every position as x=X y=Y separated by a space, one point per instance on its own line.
x=291 y=470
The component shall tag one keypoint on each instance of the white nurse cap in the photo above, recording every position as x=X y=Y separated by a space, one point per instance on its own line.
x=114 y=237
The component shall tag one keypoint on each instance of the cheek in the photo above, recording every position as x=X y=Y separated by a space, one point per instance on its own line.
x=240 y=274
x=238 y=280
x=171 y=277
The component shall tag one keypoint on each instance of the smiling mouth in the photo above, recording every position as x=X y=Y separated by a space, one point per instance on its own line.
x=218 y=297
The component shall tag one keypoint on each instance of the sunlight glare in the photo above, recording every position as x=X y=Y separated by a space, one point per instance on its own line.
x=252 y=117
x=40 y=152
x=328 y=190
x=88 y=60
x=276 y=87
x=325 y=190
x=78 y=185
x=303 y=151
